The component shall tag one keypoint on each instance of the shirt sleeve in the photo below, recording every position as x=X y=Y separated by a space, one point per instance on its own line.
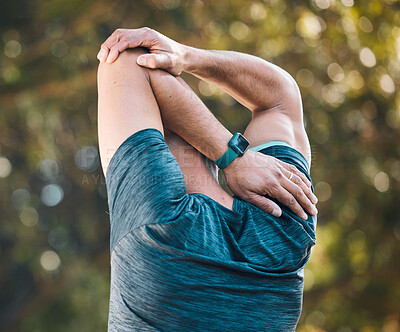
x=144 y=183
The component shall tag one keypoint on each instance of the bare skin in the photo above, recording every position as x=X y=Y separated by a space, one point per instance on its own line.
x=277 y=114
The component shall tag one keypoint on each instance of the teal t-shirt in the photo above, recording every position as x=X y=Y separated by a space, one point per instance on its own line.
x=184 y=262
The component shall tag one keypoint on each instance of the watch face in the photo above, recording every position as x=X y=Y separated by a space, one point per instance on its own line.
x=239 y=144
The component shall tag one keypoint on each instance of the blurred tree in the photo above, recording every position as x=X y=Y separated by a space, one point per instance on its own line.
x=54 y=225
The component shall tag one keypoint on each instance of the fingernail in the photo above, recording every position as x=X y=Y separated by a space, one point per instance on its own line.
x=314 y=210
x=275 y=213
x=141 y=61
x=315 y=199
x=305 y=216
x=101 y=55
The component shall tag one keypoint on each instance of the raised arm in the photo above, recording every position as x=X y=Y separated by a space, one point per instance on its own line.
x=266 y=175
x=266 y=89
x=254 y=82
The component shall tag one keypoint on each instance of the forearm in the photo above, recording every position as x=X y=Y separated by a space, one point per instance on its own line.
x=185 y=114
x=254 y=82
x=251 y=176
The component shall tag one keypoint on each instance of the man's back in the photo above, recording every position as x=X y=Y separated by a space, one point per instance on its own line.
x=185 y=262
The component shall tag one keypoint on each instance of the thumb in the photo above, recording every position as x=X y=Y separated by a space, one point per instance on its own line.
x=266 y=205
x=154 y=60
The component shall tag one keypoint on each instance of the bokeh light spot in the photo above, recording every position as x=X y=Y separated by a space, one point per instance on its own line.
x=51 y=194
x=87 y=158
x=387 y=84
x=50 y=260
x=355 y=80
x=5 y=167
x=381 y=182
x=323 y=191
x=48 y=169
x=305 y=78
x=332 y=95
x=348 y=3
x=335 y=72
x=257 y=11
x=272 y=48
x=308 y=26
x=365 y=24
x=367 y=57
x=20 y=198
x=393 y=118
x=59 y=48
x=323 y=4
x=215 y=28
x=12 y=48
x=239 y=30
x=55 y=29
x=206 y=89
x=228 y=99
x=11 y=74
x=58 y=237
x=29 y=216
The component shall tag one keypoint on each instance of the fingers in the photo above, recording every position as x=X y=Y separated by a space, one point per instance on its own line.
x=298 y=182
x=108 y=44
x=293 y=169
x=286 y=198
x=115 y=51
x=121 y=39
x=154 y=61
x=265 y=204
x=103 y=53
x=294 y=187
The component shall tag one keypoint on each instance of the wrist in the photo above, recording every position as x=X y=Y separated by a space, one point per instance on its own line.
x=237 y=147
x=239 y=162
x=189 y=58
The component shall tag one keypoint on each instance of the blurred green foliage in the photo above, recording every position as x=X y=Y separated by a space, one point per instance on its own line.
x=54 y=230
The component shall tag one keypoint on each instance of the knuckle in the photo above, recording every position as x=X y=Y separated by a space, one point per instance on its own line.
x=298 y=192
x=273 y=186
x=292 y=201
x=171 y=62
x=122 y=45
x=296 y=179
x=147 y=31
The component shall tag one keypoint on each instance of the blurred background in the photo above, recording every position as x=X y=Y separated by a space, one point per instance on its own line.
x=54 y=225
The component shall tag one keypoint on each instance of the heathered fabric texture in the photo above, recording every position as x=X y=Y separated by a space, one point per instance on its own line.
x=184 y=262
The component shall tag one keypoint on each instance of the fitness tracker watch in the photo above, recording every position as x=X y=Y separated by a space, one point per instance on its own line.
x=238 y=145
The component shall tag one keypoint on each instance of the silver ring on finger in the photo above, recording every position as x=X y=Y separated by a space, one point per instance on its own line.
x=291 y=175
